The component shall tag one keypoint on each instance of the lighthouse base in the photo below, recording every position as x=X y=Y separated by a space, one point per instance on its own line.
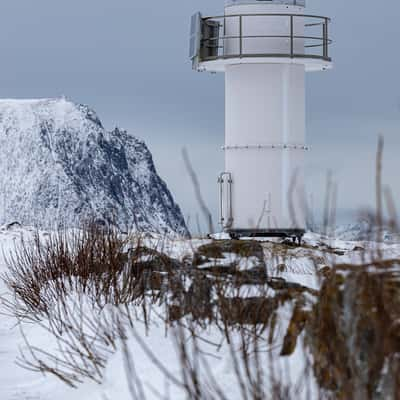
x=295 y=234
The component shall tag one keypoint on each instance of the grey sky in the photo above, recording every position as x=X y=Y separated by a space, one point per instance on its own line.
x=128 y=60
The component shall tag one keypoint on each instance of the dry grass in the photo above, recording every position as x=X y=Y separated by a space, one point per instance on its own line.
x=89 y=288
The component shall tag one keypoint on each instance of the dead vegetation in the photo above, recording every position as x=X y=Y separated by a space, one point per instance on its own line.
x=90 y=288
x=353 y=331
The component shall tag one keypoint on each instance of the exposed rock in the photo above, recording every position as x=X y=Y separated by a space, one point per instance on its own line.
x=13 y=225
x=247 y=311
x=155 y=271
x=282 y=284
x=219 y=248
x=253 y=276
x=358 y=248
x=239 y=258
x=144 y=258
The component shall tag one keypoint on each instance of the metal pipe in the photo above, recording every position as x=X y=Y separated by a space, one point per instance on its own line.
x=221 y=205
x=267 y=15
x=230 y=213
x=325 y=34
x=241 y=34
x=266 y=36
x=291 y=37
x=272 y=55
x=223 y=39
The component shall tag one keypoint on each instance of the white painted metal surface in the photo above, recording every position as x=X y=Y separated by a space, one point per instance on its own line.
x=263 y=188
x=265 y=106
x=257 y=24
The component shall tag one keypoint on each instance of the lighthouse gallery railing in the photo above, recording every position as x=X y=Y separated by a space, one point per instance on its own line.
x=226 y=37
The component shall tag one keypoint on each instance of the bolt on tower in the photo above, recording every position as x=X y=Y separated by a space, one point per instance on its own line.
x=265 y=48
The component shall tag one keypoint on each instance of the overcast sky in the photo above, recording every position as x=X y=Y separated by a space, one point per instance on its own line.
x=127 y=59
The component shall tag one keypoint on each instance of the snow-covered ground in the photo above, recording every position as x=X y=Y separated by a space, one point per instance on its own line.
x=17 y=383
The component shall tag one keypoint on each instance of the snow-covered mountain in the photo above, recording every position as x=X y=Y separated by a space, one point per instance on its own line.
x=59 y=165
x=366 y=230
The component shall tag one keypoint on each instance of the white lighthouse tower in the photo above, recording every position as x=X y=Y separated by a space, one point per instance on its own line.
x=265 y=48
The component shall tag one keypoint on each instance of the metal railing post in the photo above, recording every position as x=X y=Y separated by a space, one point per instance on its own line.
x=221 y=200
x=241 y=36
x=230 y=214
x=291 y=37
x=224 y=40
x=210 y=41
x=325 y=38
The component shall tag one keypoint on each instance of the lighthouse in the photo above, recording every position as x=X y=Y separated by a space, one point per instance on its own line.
x=264 y=48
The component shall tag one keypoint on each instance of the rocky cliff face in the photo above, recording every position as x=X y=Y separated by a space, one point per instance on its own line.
x=59 y=166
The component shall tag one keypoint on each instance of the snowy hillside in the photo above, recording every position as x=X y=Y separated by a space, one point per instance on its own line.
x=364 y=229
x=290 y=271
x=59 y=165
